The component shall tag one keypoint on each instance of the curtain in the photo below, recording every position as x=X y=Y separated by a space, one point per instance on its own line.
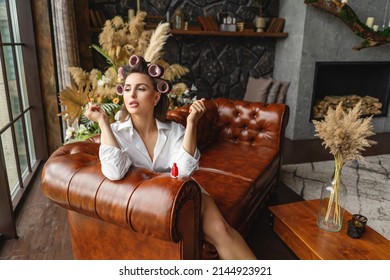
x=65 y=39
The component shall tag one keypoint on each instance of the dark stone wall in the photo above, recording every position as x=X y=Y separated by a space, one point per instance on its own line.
x=219 y=66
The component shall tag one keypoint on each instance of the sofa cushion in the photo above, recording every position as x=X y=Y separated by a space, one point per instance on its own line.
x=273 y=91
x=237 y=159
x=282 y=92
x=257 y=89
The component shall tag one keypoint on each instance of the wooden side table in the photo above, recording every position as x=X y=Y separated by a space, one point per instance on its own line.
x=296 y=225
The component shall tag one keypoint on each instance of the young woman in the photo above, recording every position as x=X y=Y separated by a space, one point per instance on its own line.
x=145 y=139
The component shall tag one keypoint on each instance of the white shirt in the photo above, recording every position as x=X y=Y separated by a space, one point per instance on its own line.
x=116 y=162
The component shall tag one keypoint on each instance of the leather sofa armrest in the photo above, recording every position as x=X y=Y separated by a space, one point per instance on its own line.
x=143 y=201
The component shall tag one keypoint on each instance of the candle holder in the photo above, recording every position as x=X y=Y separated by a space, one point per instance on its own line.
x=356 y=226
x=260 y=24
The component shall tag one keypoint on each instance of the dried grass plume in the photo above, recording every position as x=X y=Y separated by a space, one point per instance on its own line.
x=345 y=133
x=154 y=52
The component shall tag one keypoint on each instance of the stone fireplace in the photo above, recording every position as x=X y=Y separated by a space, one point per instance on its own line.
x=318 y=38
x=351 y=82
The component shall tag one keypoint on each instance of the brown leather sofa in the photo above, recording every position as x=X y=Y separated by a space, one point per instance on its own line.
x=149 y=215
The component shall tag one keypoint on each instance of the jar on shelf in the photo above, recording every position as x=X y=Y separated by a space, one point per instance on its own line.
x=178 y=20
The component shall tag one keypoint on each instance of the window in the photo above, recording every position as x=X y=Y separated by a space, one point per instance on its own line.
x=18 y=153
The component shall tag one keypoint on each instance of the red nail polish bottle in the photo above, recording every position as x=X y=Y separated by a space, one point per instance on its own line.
x=174 y=171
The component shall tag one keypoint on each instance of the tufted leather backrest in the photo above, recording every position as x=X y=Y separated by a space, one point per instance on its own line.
x=252 y=123
x=206 y=131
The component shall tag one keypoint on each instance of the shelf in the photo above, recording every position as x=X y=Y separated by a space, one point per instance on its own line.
x=229 y=34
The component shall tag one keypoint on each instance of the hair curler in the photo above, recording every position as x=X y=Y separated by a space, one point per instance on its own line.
x=164 y=86
x=155 y=70
x=119 y=89
x=120 y=72
x=134 y=60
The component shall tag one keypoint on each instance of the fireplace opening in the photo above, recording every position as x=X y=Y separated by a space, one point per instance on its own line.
x=351 y=82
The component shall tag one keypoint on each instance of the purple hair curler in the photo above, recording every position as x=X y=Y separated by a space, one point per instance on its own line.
x=119 y=89
x=120 y=72
x=155 y=70
x=135 y=59
x=164 y=86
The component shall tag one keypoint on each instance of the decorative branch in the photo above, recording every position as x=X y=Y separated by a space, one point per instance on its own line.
x=349 y=17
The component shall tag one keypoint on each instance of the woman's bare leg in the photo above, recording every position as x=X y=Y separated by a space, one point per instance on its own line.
x=228 y=242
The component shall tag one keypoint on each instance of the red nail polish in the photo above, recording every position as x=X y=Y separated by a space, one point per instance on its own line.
x=174 y=171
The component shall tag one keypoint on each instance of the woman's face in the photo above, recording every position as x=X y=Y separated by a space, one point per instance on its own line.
x=139 y=94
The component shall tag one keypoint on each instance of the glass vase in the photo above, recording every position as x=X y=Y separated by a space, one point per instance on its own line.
x=333 y=201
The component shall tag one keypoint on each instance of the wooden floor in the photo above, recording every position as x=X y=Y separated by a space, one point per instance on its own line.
x=43 y=232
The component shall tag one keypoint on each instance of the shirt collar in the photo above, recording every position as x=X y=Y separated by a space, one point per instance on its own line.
x=126 y=124
x=129 y=124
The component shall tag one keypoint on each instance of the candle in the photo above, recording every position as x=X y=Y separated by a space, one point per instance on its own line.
x=131 y=13
x=138 y=6
x=375 y=27
x=370 y=22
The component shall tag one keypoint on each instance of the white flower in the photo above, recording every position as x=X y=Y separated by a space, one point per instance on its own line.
x=82 y=129
x=194 y=88
x=104 y=80
x=69 y=133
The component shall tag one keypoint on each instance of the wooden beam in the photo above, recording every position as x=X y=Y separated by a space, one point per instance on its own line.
x=349 y=17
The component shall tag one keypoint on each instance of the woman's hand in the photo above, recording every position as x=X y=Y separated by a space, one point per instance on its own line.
x=96 y=114
x=197 y=109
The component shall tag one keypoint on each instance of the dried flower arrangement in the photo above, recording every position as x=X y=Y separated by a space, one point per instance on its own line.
x=117 y=42
x=345 y=134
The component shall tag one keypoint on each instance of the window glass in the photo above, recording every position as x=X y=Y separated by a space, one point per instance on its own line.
x=15 y=118
x=10 y=161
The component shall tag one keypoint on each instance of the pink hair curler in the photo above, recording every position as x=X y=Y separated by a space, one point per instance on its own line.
x=120 y=72
x=155 y=70
x=134 y=60
x=119 y=89
x=164 y=86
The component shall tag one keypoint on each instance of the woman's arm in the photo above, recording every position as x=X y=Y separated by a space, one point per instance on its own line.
x=197 y=109
x=96 y=114
x=114 y=161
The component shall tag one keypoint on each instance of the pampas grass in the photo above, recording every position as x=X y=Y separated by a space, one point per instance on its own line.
x=154 y=52
x=175 y=71
x=345 y=134
x=79 y=76
x=136 y=27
